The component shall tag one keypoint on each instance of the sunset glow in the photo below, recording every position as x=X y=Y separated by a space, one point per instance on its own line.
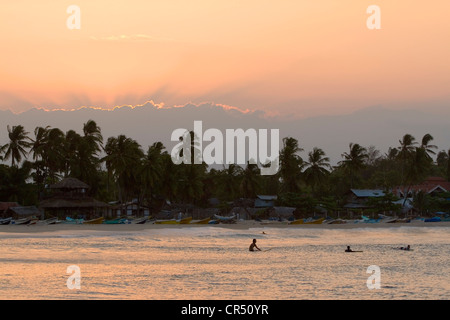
x=297 y=57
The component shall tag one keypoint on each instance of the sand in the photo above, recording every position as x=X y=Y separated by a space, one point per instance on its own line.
x=243 y=225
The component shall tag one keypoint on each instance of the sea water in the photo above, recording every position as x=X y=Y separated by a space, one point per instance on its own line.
x=210 y=262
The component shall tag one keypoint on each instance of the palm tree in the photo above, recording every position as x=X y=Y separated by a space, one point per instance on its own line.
x=249 y=182
x=54 y=155
x=406 y=149
x=151 y=169
x=354 y=160
x=229 y=181
x=123 y=158
x=93 y=136
x=317 y=168
x=290 y=165
x=427 y=147
x=18 y=142
x=38 y=150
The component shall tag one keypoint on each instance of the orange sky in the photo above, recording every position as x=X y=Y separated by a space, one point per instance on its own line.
x=290 y=57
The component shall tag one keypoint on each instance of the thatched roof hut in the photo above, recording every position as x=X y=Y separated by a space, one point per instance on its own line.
x=70 y=184
x=70 y=198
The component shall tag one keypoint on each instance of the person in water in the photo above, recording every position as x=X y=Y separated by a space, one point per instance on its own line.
x=405 y=248
x=348 y=249
x=253 y=246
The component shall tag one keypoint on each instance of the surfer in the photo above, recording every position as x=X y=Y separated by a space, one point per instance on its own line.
x=405 y=248
x=348 y=249
x=253 y=246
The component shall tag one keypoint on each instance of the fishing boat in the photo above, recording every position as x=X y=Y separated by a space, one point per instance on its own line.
x=434 y=219
x=27 y=220
x=203 y=221
x=387 y=219
x=5 y=221
x=116 y=221
x=308 y=221
x=70 y=220
x=95 y=221
x=140 y=221
x=337 y=221
x=298 y=221
x=173 y=221
x=222 y=219
x=52 y=220
x=369 y=220
x=186 y=220
x=317 y=221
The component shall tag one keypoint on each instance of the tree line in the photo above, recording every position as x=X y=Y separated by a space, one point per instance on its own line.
x=120 y=169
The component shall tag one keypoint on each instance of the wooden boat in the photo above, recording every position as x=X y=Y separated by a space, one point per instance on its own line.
x=140 y=221
x=337 y=221
x=173 y=221
x=298 y=221
x=186 y=220
x=73 y=221
x=94 y=221
x=48 y=221
x=303 y=221
x=5 y=221
x=223 y=219
x=369 y=220
x=434 y=219
x=318 y=221
x=27 y=220
x=203 y=221
x=116 y=221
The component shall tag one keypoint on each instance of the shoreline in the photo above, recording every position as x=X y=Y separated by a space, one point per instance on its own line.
x=240 y=225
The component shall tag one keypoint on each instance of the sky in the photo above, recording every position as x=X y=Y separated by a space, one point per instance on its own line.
x=292 y=59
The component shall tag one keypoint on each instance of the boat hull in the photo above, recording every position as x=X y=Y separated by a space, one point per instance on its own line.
x=182 y=221
x=94 y=221
x=204 y=221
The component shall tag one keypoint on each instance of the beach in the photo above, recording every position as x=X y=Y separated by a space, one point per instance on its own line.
x=239 y=225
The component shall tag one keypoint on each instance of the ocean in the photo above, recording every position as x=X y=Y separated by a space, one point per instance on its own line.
x=214 y=263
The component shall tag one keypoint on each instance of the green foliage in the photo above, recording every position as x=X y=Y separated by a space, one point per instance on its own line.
x=121 y=169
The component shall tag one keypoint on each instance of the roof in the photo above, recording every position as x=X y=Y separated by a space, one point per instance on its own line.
x=26 y=211
x=70 y=183
x=429 y=185
x=72 y=203
x=366 y=193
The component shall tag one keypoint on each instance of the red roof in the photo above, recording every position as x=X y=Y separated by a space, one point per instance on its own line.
x=430 y=184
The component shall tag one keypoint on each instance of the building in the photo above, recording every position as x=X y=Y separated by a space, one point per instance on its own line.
x=263 y=201
x=69 y=197
x=359 y=198
x=431 y=185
